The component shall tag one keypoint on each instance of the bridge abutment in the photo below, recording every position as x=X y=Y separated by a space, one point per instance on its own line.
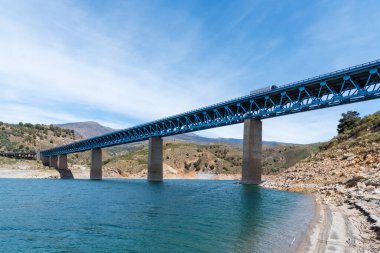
x=62 y=162
x=155 y=166
x=96 y=164
x=252 y=152
x=53 y=161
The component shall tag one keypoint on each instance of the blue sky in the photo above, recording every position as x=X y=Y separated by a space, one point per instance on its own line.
x=122 y=63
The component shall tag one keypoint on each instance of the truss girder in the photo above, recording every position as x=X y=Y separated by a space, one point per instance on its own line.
x=350 y=85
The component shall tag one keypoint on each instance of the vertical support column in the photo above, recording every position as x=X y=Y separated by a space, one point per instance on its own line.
x=53 y=161
x=45 y=160
x=155 y=171
x=252 y=150
x=62 y=162
x=96 y=164
x=38 y=156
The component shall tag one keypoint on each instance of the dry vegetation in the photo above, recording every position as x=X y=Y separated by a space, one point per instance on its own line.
x=184 y=157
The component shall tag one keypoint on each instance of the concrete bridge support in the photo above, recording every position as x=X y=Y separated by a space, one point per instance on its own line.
x=96 y=164
x=155 y=170
x=38 y=156
x=62 y=162
x=53 y=161
x=45 y=160
x=252 y=152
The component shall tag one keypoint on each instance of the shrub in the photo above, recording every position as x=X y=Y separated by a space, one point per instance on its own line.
x=197 y=164
x=187 y=165
x=348 y=121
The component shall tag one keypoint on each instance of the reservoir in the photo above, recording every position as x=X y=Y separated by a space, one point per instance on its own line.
x=43 y=215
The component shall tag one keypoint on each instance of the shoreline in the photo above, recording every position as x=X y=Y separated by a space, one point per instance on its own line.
x=335 y=227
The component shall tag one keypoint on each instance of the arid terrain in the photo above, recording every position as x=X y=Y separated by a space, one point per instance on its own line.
x=345 y=177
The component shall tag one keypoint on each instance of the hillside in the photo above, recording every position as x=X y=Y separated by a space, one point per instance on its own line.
x=354 y=153
x=29 y=137
x=345 y=174
x=195 y=155
x=186 y=158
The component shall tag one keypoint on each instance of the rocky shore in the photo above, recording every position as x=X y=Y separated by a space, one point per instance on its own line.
x=347 y=190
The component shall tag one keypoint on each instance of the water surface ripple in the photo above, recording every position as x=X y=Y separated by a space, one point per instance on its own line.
x=138 y=216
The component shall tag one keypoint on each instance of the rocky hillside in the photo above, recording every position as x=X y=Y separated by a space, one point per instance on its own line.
x=195 y=154
x=29 y=137
x=345 y=170
x=354 y=153
x=182 y=158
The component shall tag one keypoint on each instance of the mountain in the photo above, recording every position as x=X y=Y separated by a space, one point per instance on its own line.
x=87 y=129
x=194 y=138
x=90 y=129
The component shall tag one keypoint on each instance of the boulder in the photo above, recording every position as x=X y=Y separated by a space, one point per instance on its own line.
x=348 y=156
x=353 y=181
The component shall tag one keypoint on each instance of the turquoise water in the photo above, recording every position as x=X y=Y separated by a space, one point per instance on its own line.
x=138 y=216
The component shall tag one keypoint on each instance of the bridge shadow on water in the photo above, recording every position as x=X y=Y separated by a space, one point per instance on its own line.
x=65 y=174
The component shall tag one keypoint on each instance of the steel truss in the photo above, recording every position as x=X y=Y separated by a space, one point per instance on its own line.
x=346 y=86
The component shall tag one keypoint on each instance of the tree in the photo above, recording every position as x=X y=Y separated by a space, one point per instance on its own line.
x=347 y=121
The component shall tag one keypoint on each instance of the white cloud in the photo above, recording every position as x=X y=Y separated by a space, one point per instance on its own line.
x=57 y=54
x=21 y=113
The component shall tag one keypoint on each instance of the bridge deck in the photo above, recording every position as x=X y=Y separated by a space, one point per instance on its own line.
x=350 y=85
x=20 y=155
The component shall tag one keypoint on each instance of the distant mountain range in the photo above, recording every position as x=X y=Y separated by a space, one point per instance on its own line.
x=90 y=129
x=87 y=129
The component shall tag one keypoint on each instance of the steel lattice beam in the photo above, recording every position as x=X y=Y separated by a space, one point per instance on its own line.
x=349 y=85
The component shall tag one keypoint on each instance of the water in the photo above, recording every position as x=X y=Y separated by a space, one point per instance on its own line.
x=138 y=216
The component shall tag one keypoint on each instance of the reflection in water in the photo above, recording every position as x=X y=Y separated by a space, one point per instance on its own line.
x=251 y=209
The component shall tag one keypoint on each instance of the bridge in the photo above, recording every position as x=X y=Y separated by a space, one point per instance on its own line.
x=350 y=85
x=20 y=155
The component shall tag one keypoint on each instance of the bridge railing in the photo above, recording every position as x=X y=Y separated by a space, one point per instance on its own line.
x=19 y=155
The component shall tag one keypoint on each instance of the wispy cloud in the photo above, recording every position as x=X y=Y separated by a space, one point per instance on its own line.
x=123 y=63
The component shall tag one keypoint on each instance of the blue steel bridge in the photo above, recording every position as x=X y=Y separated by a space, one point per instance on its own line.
x=350 y=85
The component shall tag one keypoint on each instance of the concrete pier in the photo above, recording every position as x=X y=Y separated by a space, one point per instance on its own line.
x=96 y=164
x=155 y=170
x=252 y=152
x=62 y=162
x=53 y=161
x=38 y=156
x=45 y=160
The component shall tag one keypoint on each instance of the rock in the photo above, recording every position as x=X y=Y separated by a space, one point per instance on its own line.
x=353 y=181
x=372 y=182
x=348 y=156
x=361 y=185
x=370 y=188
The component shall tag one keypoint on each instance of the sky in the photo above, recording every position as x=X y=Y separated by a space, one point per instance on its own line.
x=123 y=63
